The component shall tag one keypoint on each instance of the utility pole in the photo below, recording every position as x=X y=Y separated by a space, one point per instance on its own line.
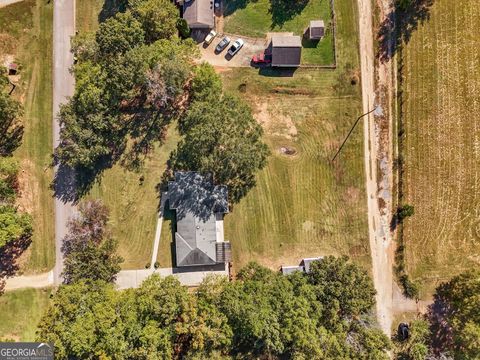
x=377 y=108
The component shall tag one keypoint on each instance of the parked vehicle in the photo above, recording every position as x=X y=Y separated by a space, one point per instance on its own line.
x=236 y=46
x=211 y=35
x=261 y=59
x=222 y=44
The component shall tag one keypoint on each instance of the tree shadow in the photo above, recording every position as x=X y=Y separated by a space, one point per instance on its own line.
x=71 y=184
x=437 y=315
x=399 y=26
x=111 y=7
x=285 y=10
x=9 y=254
x=10 y=138
x=230 y=6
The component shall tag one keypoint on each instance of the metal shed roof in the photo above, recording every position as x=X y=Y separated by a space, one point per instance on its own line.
x=286 y=50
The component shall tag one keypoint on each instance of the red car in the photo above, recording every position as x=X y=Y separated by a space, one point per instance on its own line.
x=261 y=59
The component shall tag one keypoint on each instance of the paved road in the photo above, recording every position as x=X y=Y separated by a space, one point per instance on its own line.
x=379 y=233
x=63 y=86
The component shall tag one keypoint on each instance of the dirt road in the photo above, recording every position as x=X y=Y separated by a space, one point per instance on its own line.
x=379 y=234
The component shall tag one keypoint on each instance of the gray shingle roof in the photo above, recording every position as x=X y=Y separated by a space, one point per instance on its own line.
x=196 y=202
x=199 y=14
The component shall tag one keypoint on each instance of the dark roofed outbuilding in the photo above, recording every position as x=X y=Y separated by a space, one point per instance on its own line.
x=199 y=14
x=316 y=30
x=286 y=50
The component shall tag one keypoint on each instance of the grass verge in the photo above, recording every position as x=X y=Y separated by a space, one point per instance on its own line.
x=26 y=34
x=21 y=312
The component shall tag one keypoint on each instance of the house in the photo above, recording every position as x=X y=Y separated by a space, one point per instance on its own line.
x=199 y=209
x=199 y=14
x=286 y=50
x=316 y=30
x=303 y=267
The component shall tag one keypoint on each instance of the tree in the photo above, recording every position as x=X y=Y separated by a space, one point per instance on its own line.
x=158 y=18
x=224 y=140
x=261 y=315
x=83 y=322
x=13 y=225
x=85 y=46
x=343 y=288
x=455 y=316
x=405 y=211
x=119 y=34
x=11 y=129
x=206 y=83
x=89 y=250
x=8 y=179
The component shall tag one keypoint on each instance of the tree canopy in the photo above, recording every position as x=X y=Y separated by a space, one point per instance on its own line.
x=88 y=248
x=261 y=315
x=455 y=316
x=222 y=138
x=158 y=18
x=11 y=129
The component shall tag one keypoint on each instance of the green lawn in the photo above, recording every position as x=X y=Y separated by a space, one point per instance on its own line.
x=20 y=313
x=303 y=205
x=26 y=33
x=253 y=18
x=133 y=204
x=87 y=14
x=441 y=143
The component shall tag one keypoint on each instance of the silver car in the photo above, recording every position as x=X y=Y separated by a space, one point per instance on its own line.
x=222 y=44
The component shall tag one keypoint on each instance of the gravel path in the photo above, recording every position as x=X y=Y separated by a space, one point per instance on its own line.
x=381 y=246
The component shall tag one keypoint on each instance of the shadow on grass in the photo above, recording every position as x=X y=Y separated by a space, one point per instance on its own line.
x=111 y=7
x=9 y=254
x=71 y=184
x=399 y=26
x=230 y=6
x=285 y=10
x=276 y=72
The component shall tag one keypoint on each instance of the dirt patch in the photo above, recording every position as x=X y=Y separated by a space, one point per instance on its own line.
x=278 y=125
x=28 y=187
x=290 y=91
x=7 y=44
x=308 y=225
x=352 y=194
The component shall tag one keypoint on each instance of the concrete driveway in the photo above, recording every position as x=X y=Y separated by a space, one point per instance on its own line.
x=241 y=59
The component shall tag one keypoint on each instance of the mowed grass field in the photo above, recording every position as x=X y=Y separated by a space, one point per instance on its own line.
x=254 y=18
x=26 y=34
x=20 y=313
x=441 y=84
x=134 y=205
x=303 y=205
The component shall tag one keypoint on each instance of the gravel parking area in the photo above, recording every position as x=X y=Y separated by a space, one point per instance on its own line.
x=251 y=47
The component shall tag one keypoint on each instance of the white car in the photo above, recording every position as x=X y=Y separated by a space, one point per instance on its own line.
x=211 y=35
x=236 y=46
